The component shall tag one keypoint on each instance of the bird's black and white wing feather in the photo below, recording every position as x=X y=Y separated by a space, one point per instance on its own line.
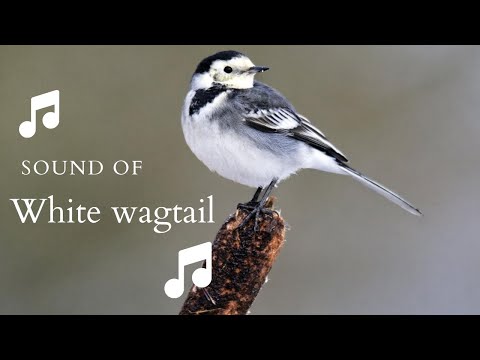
x=287 y=121
x=265 y=109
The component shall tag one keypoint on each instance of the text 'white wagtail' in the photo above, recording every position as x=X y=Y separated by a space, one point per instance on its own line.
x=248 y=132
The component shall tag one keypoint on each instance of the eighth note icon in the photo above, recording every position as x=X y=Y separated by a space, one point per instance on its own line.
x=201 y=277
x=50 y=120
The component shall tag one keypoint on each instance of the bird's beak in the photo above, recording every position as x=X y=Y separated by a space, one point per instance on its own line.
x=257 y=69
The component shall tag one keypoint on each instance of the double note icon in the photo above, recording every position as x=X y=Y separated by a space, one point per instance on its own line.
x=201 y=277
x=50 y=120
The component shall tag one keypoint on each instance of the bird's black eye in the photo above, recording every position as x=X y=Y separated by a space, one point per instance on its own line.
x=227 y=69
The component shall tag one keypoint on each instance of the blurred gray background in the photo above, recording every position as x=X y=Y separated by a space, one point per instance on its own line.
x=407 y=116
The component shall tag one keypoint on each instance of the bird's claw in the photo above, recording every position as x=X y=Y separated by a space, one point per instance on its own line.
x=257 y=207
x=249 y=206
x=256 y=210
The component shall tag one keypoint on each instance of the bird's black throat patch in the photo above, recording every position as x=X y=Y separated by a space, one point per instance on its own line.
x=204 y=96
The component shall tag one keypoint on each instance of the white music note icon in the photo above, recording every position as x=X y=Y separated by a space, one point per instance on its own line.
x=50 y=120
x=201 y=277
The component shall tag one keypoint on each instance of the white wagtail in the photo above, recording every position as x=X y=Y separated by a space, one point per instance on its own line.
x=248 y=132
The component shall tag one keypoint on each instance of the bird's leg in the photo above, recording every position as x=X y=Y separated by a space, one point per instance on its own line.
x=252 y=203
x=256 y=195
x=259 y=205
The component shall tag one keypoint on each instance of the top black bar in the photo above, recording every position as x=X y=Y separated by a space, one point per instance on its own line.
x=255 y=27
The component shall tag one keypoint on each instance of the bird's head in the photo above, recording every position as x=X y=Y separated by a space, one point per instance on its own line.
x=228 y=68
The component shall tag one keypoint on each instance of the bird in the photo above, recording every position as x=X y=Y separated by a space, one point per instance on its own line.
x=248 y=132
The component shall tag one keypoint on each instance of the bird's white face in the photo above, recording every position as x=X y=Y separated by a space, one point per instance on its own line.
x=236 y=73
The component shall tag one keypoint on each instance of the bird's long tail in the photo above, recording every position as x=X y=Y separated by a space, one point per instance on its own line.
x=380 y=189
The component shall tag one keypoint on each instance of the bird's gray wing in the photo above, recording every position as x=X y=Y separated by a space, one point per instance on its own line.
x=286 y=121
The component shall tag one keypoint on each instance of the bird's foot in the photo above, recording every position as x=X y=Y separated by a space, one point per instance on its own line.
x=256 y=210
x=249 y=206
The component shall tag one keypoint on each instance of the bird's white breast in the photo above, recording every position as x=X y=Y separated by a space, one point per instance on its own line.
x=228 y=153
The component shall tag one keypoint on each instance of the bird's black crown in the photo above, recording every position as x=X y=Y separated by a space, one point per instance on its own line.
x=205 y=64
